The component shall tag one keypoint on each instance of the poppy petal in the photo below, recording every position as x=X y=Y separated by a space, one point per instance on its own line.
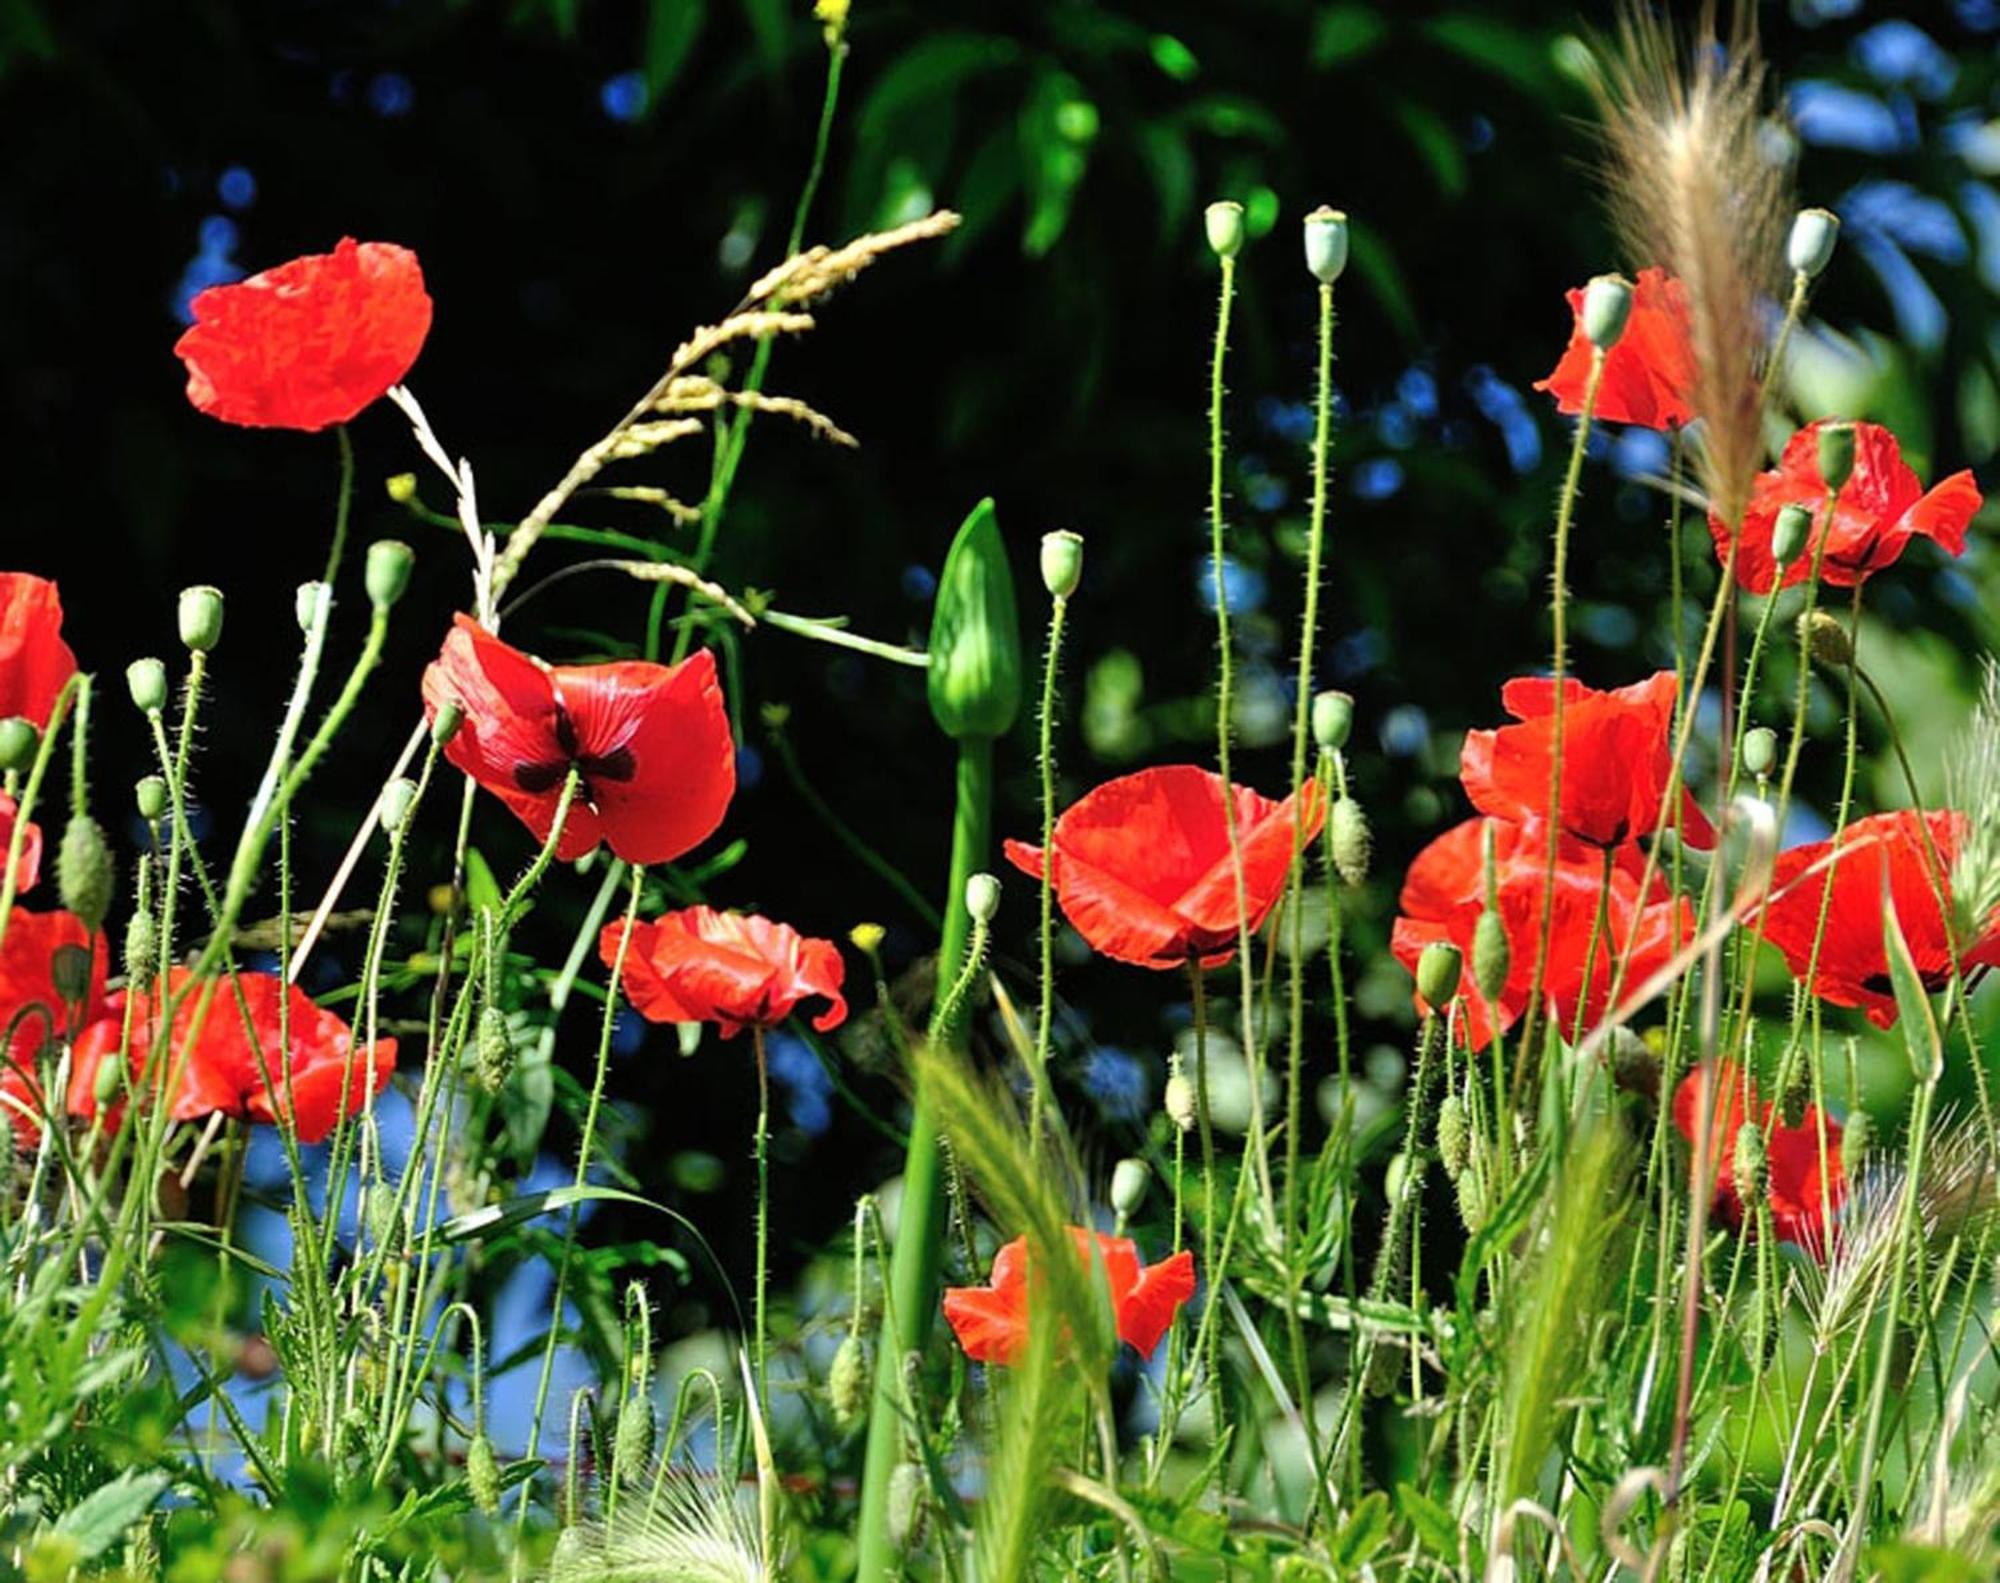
x=1147 y=1312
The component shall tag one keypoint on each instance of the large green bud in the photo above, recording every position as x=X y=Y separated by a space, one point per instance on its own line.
x=975 y=667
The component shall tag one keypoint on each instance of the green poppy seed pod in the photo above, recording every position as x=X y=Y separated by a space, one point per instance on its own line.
x=200 y=615
x=142 y=947
x=386 y=574
x=632 y=1449
x=1326 y=244
x=1454 y=1142
x=1179 y=1101
x=147 y=681
x=1129 y=1181
x=1062 y=562
x=493 y=1048
x=1760 y=751
x=109 y=1083
x=1809 y=249
x=1438 y=968
x=69 y=971
x=1790 y=533
x=1752 y=1169
x=1471 y=1200
x=84 y=875
x=402 y=487
x=847 y=1381
x=982 y=897
x=1827 y=639
x=449 y=718
x=1332 y=720
x=397 y=801
x=309 y=604
x=1352 y=842
x=906 y=1506
x=482 y=1474
x=1607 y=304
x=18 y=741
x=974 y=674
x=1492 y=955
x=1836 y=454
x=1223 y=221
x=150 y=796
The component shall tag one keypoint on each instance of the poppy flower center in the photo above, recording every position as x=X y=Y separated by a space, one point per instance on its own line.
x=617 y=765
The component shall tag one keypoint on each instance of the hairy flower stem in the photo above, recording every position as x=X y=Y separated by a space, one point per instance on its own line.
x=919 y=1249
x=1205 y=1125
x=343 y=504
x=762 y=1150
x=25 y=804
x=1038 y=1074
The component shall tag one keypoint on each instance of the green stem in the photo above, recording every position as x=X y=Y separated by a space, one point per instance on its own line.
x=763 y=1154
x=343 y=503
x=1038 y=1074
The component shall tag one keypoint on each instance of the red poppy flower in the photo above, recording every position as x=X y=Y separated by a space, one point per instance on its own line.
x=1883 y=850
x=29 y=869
x=33 y=1011
x=310 y=343
x=1806 y=1178
x=731 y=968
x=1143 y=869
x=1881 y=507
x=1617 y=759
x=1444 y=893
x=35 y=663
x=651 y=743
x=991 y=1321
x=1649 y=376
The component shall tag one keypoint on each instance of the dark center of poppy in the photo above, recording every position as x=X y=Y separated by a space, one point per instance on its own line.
x=617 y=765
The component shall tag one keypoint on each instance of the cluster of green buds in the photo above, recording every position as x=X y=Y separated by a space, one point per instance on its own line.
x=1349 y=840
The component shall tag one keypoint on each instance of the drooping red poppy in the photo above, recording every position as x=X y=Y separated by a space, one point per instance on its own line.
x=1853 y=967
x=29 y=869
x=650 y=743
x=991 y=1321
x=1881 y=507
x=33 y=1014
x=1807 y=1181
x=1649 y=375
x=1617 y=760
x=1444 y=893
x=734 y=969
x=310 y=343
x=1143 y=867
x=35 y=663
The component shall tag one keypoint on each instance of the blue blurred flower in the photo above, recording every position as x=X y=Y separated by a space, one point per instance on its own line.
x=1833 y=116
x=1245 y=589
x=808 y=1089
x=1377 y=478
x=1118 y=1082
x=625 y=96
x=1902 y=54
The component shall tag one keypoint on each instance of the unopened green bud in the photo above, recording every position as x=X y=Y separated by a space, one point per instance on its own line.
x=1796 y=1095
x=1810 y=247
x=1224 y=223
x=142 y=947
x=150 y=795
x=147 y=681
x=906 y=1506
x=1635 y=1066
x=201 y=618
x=1760 y=751
x=1827 y=639
x=1836 y=454
x=1607 y=305
x=1129 y=1180
x=1332 y=720
x=1438 y=968
x=493 y=1047
x=632 y=1449
x=847 y=1381
x=1352 y=842
x=1396 y=1177
x=974 y=675
x=397 y=801
x=402 y=487
x=84 y=875
x=482 y=1474
x=1471 y=1200
x=1454 y=1141
x=1385 y=1367
x=1492 y=955
x=449 y=718
x=1062 y=562
x=69 y=971
x=1326 y=244
x=109 y=1081
x=386 y=574
x=1751 y=1168
x=1790 y=533
x=18 y=741
x=309 y=604
x=379 y=1214
x=1179 y=1101
x=982 y=897
x=1857 y=1137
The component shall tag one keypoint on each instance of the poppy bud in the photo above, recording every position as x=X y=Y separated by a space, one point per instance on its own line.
x=1751 y=1168
x=1809 y=249
x=1352 y=842
x=1396 y=1177
x=378 y=1213
x=1224 y=224
x=1332 y=719
x=449 y=718
x=1635 y=1065
x=867 y=937
x=1827 y=639
x=110 y=1079
x=906 y=1506
x=982 y=897
x=633 y=1447
x=402 y=487
x=1471 y=1200
x=1326 y=244
x=84 y=875
x=1454 y=1144
x=847 y=1381
x=1857 y=1135
x=1492 y=955
x=147 y=681
x=1836 y=454
x=1607 y=304
x=974 y=674
x=1179 y=1101
x=396 y=803
x=69 y=971
x=1790 y=532
x=1438 y=967
x=1796 y=1096
x=201 y=618
x=18 y=741
x=1760 y=751
x=482 y=1474
x=387 y=572
x=151 y=797
x=1062 y=562
x=494 y=1048
x=309 y=604
x=1129 y=1180
x=142 y=947
x=1385 y=1367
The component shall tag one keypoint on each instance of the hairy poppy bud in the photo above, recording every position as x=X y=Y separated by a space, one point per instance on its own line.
x=1454 y=1143
x=449 y=718
x=1836 y=454
x=18 y=741
x=110 y=1080
x=1809 y=249
x=867 y=937
x=1224 y=223
x=69 y=971
x=1492 y=955
x=1751 y=1168
x=493 y=1046
x=482 y=1474
x=396 y=803
x=151 y=797
x=1790 y=533
x=1471 y=1200
x=1796 y=1096
x=1438 y=967
x=1635 y=1066
x=1326 y=244
x=1179 y=1101
x=1385 y=1367
x=1827 y=639
x=402 y=487
x=1352 y=842
x=1760 y=751
x=1857 y=1136
x=974 y=674
x=906 y=1506
x=1129 y=1180
x=632 y=1449
x=1062 y=562
x=982 y=897
x=147 y=681
x=847 y=1381
x=309 y=604
x=386 y=574
x=1332 y=719
x=142 y=947
x=200 y=615
x=1607 y=304
x=84 y=875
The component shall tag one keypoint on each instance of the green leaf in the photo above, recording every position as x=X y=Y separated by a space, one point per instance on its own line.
x=931 y=72
x=767 y=22
x=1438 y=144
x=1365 y=1532
x=482 y=890
x=1914 y=1016
x=1344 y=33
x=1904 y=1562
x=1514 y=53
x=1433 y=1523
x=672 y=26
x=100 y=1519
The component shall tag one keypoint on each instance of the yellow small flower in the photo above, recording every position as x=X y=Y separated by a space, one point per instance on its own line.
x=833 y=15
x=403 y=488
x=867 y=937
